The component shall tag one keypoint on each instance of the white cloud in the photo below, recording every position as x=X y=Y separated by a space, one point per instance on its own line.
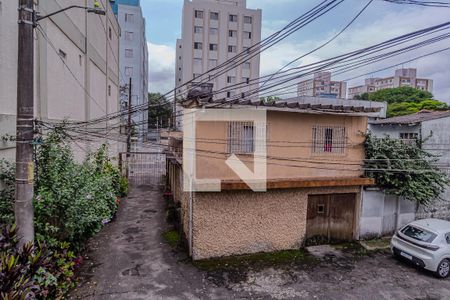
x=161 y=67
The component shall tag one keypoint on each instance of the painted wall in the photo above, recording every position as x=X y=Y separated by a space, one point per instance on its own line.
x=289 y=148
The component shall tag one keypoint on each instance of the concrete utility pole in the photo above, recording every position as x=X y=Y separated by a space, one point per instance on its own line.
x=129 y=118
x=23 y=206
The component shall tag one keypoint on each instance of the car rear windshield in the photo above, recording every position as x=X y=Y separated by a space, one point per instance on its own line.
x=419 y=234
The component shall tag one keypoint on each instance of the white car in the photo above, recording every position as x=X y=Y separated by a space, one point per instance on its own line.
x=426 y=243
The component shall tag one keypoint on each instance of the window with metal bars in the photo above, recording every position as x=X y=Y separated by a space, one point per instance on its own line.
x=241 y=138
x=328 y=139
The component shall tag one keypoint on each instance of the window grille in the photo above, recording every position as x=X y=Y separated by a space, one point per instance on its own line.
x=328 y=139
x=242 y=137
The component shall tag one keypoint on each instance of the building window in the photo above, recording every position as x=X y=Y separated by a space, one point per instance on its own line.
x=212 y=63
x=246 y=66
x=197 y=30
x=129 y=71
x=110 y=33
x=409 y=136
x=247 y=35
x=129 y=18
x=198 y=14
x=241 y=138
x=248 y=20
x=246 y=80
x=232 y=49
x=213 y=31
x=328 y=139
x=198 y=46
x=233 y=18
x=195 y=75
x=232 y=33
x=231 y=94
x=109 y=90
x=213 y=47
x=246 y=49
x=231 y=79
x=214 y=16
x=128 y=35
x=129 y=53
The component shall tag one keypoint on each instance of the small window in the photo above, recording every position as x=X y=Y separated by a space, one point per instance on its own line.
x=246 y=80
x=110 y=33
x=241 y=138
x=321 y=208
x=246 y=66
x=195 y=75
x=213 y=31
x=129 y=35
x=197 y=30
x=129 y=53
x=214 y=16
x=109 y=90
x=232 y=33
x=248 y=20
x=231 y=79
x=198 y=46
x=247 y=35
x=232 y=49
x=233 y=18
x=213 y=47
x=231 y=94
x=129 y=18
x=246 y=49
x=328 y=139
x=198 y=14
x=129 y=71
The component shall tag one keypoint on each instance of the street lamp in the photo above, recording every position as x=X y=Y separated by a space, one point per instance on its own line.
x=96 y=11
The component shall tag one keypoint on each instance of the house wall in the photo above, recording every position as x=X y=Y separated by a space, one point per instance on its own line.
x=91 y=56
x=289 y=148
x=240 y=222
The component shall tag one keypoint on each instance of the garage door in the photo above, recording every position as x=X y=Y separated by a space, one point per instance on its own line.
x=330 y=218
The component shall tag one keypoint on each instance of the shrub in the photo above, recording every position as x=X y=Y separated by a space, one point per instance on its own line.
x=7 y=188
x=32 y=271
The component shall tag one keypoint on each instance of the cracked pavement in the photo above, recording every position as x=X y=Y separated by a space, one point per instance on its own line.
x=129 y=259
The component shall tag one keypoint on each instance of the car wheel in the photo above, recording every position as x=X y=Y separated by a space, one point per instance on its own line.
x=443 y=269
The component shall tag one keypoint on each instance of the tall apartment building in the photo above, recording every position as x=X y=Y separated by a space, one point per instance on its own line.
x=322 y=86
x=133 y=58
x=402 y=77
x=214 y=31
x=76 y=70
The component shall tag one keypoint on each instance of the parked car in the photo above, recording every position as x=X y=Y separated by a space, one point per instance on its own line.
x=426 y=243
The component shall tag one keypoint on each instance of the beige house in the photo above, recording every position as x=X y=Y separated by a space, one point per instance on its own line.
x=76 y=67
x=314 y=179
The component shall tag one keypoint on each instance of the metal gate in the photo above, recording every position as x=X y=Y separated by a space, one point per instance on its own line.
x=143 y=168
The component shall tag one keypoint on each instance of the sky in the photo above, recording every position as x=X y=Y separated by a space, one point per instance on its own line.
x=381 y=21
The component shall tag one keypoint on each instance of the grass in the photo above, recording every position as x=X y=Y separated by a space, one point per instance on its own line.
x=255 y=260
x=376 y=244
x=172 y=238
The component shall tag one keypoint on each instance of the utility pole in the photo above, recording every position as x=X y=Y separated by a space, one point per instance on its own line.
x=129 y=118
x=23 y=206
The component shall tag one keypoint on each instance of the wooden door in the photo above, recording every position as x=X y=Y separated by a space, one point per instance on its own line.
x=330 y=218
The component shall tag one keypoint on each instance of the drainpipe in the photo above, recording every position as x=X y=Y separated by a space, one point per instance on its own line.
x=191 y=184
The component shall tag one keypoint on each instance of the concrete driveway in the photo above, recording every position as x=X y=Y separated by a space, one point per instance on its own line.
x=130 y=260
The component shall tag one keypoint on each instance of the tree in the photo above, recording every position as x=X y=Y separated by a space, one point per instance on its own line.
x=407 y=108
x=404 y=169
x=401 y=94
x=363 y=96
x=159 y=111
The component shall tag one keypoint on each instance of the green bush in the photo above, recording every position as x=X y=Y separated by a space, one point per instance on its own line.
x=7 y=188
x=33 y=271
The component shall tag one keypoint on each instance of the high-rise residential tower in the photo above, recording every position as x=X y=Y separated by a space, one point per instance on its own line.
x=214 y=31
x=133 y=59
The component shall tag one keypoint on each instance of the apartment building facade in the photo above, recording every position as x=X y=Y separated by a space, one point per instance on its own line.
x=402 y=77
x=214 y=31
x=322 y=86
x=76 y=69
x=133 y=55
